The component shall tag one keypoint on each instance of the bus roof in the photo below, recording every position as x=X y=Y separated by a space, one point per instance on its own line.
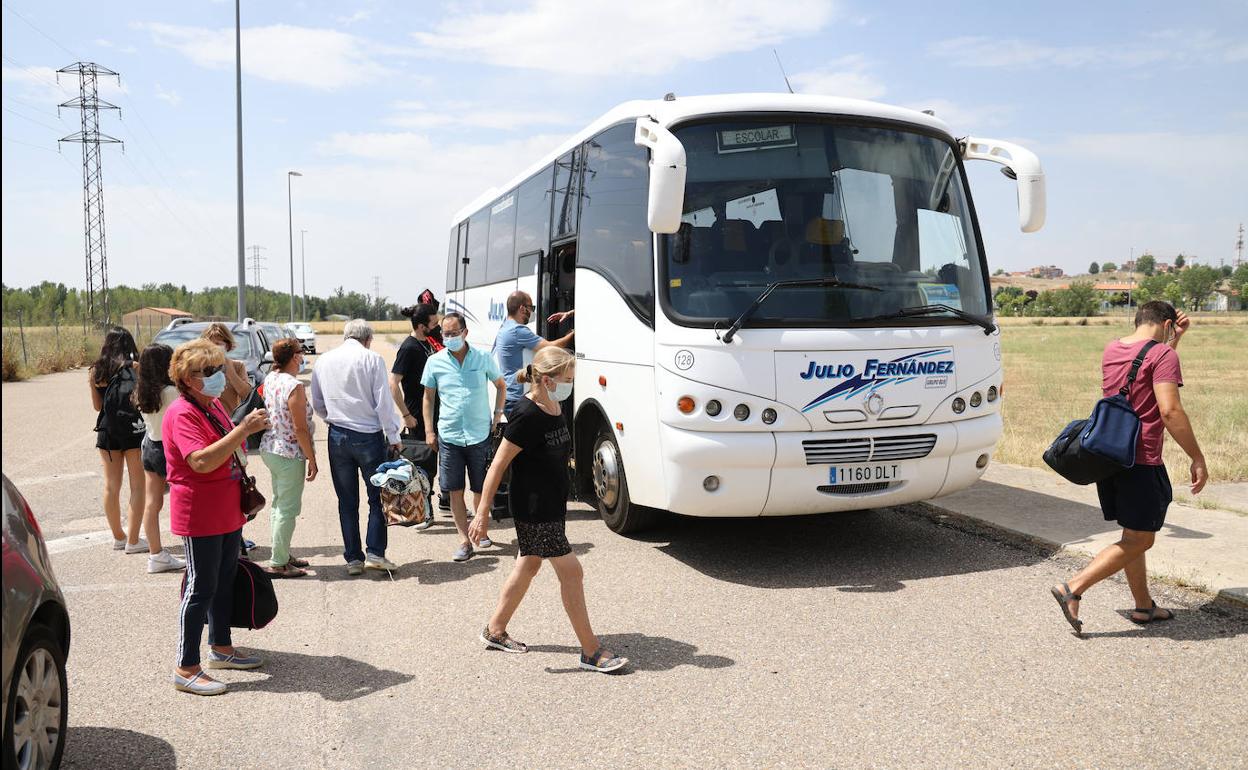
x=684 y=108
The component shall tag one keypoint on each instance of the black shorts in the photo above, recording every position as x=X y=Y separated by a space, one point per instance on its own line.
x=1137 y=498
x=122 y=444
x=546 y=539
x=153 y=456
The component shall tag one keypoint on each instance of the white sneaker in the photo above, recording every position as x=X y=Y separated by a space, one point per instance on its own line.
x=164 y=562
x=119 y=545
x=379 y=562
x=139 y=547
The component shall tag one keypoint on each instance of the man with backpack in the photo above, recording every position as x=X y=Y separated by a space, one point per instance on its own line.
x=1137 y=497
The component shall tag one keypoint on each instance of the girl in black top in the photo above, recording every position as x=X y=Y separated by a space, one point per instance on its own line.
x=119 y=435
x=538 y=442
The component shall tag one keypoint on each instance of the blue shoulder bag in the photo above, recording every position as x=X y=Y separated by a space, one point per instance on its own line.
x=1094 y=449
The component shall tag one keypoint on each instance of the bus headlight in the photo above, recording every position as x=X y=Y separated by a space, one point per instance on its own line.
x=959 y=405
x=742 y=412
x=976 y=399
x=710 y=483
x=769 y=415
x=992 y=393
x=713 y=408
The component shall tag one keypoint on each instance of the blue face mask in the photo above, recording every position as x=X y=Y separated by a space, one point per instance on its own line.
x=454 y=344
x=560 y=391
x=214 y=385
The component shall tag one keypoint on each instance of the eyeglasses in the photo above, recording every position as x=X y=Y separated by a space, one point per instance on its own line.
x=207 y=371
x=530 y=308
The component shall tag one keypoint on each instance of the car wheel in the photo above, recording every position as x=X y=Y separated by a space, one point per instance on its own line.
x=618 y=511
x=35 y=722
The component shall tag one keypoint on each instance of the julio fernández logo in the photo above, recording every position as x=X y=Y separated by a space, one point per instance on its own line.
x=875 y=374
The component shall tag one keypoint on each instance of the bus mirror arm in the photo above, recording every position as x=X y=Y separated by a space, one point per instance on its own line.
x=1021 y=165
x=667 y=175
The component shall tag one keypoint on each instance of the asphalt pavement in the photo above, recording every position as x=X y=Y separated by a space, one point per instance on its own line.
x=880 y=638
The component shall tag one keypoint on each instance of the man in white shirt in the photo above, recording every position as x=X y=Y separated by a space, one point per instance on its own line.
x=351 y=393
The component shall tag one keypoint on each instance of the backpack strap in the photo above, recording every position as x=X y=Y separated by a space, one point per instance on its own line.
x=1135 y=367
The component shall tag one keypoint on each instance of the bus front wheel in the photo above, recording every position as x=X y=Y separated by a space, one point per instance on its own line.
x=618 y=512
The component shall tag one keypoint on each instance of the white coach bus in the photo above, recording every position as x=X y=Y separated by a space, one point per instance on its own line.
x=782 y=301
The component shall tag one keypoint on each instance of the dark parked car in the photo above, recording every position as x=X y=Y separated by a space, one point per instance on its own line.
x=251 y=346
x=36 y=643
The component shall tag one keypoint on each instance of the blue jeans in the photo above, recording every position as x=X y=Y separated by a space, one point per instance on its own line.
x=353 y=455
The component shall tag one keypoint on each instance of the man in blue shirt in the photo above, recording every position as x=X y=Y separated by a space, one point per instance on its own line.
x=457 y=380
x=514 y=338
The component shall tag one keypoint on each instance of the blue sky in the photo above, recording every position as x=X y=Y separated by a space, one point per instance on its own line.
x=400 y=113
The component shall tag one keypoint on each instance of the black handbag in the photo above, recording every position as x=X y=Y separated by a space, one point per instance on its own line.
x=255 y=601
x=251 y=403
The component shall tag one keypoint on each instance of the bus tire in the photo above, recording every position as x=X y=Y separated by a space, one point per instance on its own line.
x=610 y=486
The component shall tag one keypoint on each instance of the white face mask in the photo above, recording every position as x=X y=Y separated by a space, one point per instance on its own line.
x=559 y=391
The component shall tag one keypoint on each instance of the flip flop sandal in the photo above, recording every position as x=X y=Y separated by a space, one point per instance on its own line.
x=293 y=562
x=1064 y=598
x=1153 y=615
x=285 y=571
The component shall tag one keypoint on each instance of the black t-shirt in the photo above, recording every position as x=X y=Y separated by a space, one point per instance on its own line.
x=539 y=474
x=409 y=364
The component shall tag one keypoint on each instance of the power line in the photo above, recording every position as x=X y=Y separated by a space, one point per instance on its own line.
x=32 y=120
x=31 y=24
x=28 y=144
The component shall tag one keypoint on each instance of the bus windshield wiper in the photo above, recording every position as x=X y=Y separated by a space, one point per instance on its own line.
x=805 y=282
x=920 y=310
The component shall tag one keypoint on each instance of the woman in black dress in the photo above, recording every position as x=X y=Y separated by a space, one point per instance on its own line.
x=538 y=442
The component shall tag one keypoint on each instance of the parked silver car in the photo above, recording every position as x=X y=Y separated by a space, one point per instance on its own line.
x=36 y=643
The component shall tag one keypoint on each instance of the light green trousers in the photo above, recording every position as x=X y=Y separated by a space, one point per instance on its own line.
x=288 y=478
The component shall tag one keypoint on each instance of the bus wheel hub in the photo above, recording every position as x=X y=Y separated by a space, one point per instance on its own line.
x=607 y=474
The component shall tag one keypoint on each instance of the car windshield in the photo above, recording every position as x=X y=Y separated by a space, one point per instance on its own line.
x=301 y=328
x=179 y=334
x=785 y=200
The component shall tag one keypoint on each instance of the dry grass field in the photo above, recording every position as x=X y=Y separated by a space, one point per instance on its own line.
x=1052 y=376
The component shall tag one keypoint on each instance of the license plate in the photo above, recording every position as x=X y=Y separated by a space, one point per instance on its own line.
x=866 y=474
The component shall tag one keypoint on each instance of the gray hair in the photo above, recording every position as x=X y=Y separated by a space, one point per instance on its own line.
x=358 y=329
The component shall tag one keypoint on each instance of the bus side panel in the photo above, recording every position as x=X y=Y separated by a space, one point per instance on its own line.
x=612 y=343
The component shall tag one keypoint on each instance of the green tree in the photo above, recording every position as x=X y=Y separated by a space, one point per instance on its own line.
x=1239 y=279
x=1146 y=264
x=1196 y=284
x=1226 y=271
x=1093 y=269
x=1180 y=261
x=1109 y=267
x=1153 y=287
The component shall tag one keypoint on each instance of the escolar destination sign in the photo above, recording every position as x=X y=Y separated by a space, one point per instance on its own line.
x=756 y=138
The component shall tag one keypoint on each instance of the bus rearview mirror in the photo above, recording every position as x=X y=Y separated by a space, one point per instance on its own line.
x=667 y=175
x=1023 y=167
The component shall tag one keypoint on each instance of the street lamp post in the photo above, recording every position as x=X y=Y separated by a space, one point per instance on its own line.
x=290 y=231
x=303 y=273
x=238 y=111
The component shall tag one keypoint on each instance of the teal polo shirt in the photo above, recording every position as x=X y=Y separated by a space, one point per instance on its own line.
x=463 y=394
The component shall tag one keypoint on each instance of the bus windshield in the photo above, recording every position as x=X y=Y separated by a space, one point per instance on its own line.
x=882 y=211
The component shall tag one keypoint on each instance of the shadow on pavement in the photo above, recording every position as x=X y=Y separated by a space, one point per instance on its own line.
x=105 y=748
x=333 y=677
x=1194 y=625
x=644 y=653
x=872 y=551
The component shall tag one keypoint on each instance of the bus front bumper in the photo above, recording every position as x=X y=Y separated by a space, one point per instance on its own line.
x=767 y=474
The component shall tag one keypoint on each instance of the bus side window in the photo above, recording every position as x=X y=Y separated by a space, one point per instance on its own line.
x=478 y=246
x=614 y=239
